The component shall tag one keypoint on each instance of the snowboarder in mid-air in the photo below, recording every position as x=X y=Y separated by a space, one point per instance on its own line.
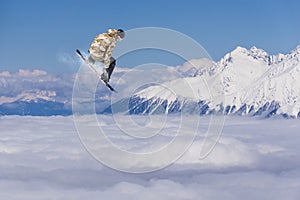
x=101 y=51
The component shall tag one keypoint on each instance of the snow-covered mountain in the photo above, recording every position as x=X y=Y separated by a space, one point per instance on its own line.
x=244 y=82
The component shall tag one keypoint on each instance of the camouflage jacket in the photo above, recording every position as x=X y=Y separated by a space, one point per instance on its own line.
x=103 y=45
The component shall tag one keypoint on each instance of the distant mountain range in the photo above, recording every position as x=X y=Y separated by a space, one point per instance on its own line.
x=243 y=82
x=38 y=93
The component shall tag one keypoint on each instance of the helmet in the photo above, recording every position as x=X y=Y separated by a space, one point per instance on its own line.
x=121 y=33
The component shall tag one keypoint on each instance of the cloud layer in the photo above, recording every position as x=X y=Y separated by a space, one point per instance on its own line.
x=43 y=158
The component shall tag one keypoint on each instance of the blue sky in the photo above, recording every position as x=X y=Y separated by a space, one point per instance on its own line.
x=36 y=34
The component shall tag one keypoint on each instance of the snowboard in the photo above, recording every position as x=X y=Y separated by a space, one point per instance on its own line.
x=91 y=66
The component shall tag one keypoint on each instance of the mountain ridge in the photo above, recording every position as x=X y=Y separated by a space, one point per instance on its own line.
x=244 y=82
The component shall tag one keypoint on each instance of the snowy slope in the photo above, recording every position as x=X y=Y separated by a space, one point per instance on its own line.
x=242 y=82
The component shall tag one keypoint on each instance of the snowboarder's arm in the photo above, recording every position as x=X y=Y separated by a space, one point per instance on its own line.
x=103 y=45
x=99 y=47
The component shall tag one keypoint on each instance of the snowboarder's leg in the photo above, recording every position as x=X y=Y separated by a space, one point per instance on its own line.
x=108 y=71
x=91 y=60
x=111 y=67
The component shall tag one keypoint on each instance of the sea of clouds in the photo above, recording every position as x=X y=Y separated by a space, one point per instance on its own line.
x=43 y=158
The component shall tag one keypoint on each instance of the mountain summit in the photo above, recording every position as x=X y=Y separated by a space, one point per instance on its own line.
x=243 y=82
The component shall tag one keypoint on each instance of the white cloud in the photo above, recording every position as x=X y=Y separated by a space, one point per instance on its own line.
x=5 y=74
x=28 y=73
x=196 y=64
x=42 y=158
